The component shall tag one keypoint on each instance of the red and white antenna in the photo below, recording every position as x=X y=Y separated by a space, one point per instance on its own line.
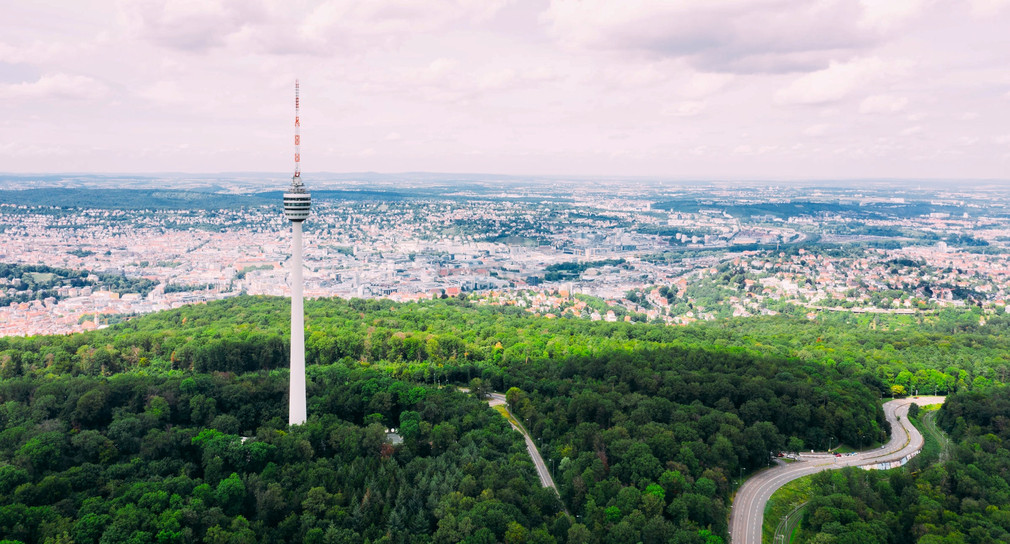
x=297 y=179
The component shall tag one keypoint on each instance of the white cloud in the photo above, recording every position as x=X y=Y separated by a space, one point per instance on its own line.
x=986 y=8
x=194 y=25
x=316 y=27
x=56 y=86
x=718 y=35
x=498 y=79
x=20 y=150
x=819 y=129
x=164 y=92
x=449 y=80
x=637 y=75
x=832 y=84
x=688 y=108
x=671 y=77
x=747 y=149
x=386 y=22
x=36 y=52
x=436 y=70
x=883 y=104
x=702 y=84
x=885 y=14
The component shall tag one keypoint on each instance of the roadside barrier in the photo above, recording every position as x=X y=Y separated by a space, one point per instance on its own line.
x=886 y=465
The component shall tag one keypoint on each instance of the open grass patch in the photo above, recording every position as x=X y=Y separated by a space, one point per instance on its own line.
x=42 y=277
x=508 y=415
x=935 y=442
x=782 y=502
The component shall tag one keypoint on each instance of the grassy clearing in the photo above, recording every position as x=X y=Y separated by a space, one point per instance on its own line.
x=508 y=415
x=934 y=440
x=783 y=501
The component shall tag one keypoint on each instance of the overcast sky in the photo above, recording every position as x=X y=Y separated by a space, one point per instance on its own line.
x=711 y=89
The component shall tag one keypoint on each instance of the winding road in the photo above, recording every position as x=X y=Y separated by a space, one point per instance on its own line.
x=747 y=514
x=497 y=399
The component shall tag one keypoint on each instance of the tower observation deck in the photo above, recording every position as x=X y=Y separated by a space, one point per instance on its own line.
x=296 y=203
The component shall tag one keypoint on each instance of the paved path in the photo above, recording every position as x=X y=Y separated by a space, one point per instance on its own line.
x=747 y=513
x=497 y=399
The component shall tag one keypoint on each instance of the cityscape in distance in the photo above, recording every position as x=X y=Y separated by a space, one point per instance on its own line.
x=650 y=252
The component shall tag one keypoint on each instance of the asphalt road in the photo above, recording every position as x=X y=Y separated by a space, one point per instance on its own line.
x=747 y=513
x=497 y=399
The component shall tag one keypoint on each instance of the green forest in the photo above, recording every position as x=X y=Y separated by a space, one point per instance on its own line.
x=571 y=269
x=963 y=499
x=172 y=427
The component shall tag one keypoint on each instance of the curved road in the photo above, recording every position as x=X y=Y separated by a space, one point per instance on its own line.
x=747 y=513
x=497 y=399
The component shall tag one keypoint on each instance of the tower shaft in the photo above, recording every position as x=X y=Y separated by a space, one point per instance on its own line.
x=297 y=412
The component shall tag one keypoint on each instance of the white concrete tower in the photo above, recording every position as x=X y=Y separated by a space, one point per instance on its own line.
x=296 y=207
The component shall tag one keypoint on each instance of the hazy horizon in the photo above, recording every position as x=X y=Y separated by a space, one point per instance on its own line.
x=435 y=176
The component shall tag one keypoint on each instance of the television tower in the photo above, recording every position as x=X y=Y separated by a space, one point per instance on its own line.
x=296 y=208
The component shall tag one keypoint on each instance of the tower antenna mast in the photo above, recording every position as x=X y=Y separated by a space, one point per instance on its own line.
x=296 y=181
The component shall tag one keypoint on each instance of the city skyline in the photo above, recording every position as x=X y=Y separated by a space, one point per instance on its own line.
x=733 y=90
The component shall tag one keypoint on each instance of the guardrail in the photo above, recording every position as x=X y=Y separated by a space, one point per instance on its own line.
x=886 y=465
x=788 y=524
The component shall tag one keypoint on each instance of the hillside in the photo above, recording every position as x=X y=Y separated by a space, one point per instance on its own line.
x=134 y=433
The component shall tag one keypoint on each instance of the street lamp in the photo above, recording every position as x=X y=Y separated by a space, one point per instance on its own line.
x=829 y=443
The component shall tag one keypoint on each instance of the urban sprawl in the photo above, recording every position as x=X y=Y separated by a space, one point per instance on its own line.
x=586 y=250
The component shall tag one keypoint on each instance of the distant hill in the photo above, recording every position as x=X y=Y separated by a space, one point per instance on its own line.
x=157 y=199
x=129 y=199
x=208 y=199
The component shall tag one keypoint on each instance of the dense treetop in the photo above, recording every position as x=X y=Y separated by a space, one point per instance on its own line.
x=962 y=499
x=171 y=427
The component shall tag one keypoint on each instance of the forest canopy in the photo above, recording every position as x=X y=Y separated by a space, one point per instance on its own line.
x=964 y=498
x=171 y=427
